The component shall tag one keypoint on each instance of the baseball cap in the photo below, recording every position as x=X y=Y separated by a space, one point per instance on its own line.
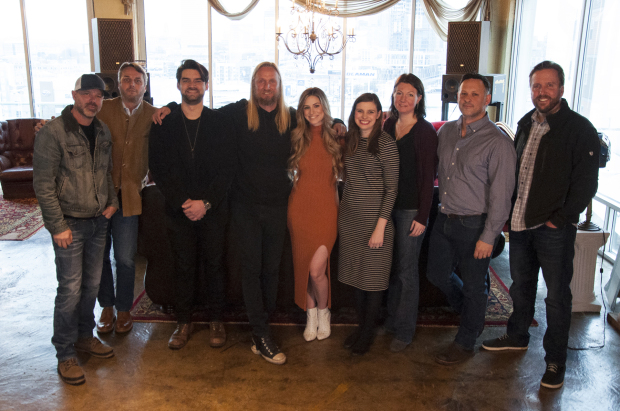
x=89 y=82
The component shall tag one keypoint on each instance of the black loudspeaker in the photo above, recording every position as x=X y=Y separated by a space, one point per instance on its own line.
x=110 y=79
x=450 y=87
x=112 y=43
x=468 y=47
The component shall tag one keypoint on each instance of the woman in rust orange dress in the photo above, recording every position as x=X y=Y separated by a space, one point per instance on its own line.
x=314 y=166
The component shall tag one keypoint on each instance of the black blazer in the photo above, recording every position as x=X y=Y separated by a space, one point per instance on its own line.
x=170 y=159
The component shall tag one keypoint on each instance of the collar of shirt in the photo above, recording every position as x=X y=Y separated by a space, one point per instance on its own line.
x=536 y=118
x=129 y=113
x=473 y=127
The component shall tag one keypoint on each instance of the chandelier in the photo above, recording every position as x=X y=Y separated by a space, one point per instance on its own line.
x=314 y=34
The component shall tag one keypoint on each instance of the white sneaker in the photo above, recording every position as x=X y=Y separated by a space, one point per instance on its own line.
x=311 y=324
x=324 y=317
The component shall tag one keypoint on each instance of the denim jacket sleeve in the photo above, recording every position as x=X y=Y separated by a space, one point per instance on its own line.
x=46 y=161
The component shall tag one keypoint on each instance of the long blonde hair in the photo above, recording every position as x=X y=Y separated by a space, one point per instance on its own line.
x=283 y=117
x=301 y=136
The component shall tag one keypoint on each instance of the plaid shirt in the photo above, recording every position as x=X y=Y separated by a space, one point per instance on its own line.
x=526 y=172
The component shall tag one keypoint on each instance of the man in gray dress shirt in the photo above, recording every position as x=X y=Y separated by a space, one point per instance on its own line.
x=476 y=180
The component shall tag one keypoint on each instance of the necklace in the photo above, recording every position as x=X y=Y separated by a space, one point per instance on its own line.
x=192 y=146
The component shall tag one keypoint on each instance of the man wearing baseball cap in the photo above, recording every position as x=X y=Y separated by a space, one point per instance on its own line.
x=73 y=182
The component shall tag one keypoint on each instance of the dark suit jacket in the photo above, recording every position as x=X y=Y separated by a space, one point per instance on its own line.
x=173 y=170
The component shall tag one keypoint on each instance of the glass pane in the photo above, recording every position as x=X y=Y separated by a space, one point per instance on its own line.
x=14 y=99
x=58 y=55
x=429 y=63
x=238 y=46
x=379 y=55
x=173 y=34
x=296 y=72
x=550 y=30
x=597 y=102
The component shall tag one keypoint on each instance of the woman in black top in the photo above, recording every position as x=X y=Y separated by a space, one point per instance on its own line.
x=416 y=140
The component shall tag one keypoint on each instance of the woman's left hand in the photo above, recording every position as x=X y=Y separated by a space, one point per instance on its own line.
x=416 y=229
x=376 y=239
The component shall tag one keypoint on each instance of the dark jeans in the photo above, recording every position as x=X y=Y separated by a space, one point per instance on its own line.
x=404 y=290
x=123 y=234
x=553 y=250
x=78 y=270
x=453 y=242
x=258 y=233
x=192 y=243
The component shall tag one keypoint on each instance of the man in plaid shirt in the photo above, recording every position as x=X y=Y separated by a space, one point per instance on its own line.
x=557 y=176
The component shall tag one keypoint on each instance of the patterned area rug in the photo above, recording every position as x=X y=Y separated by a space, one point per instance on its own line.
x=19 y=219
x=498 y=310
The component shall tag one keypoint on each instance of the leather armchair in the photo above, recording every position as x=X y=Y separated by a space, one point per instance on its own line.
x=16 y=150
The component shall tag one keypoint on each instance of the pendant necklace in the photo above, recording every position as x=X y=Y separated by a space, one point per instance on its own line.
x=192 y=146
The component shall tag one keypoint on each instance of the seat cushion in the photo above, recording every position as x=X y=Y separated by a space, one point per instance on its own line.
x=20 y=173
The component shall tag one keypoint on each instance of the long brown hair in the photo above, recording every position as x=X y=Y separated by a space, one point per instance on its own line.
x=301 y=136
x=352 y=138
x=283 y=117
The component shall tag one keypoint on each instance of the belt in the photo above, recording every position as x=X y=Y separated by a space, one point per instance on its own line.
x=462 y=216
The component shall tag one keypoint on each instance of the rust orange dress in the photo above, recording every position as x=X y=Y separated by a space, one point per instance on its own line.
x=312 y=212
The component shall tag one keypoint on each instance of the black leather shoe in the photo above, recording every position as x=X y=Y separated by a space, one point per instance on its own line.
x=453 y=354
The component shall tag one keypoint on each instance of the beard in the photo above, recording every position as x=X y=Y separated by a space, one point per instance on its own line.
x=267 y=101
x=551 y=104
x=133 y=99
x=193 y=99
x=92 y=109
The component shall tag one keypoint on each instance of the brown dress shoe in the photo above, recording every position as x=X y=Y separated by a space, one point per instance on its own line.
x=106 y=321
x=217 y=335
x=180 y=336
x=124 y=322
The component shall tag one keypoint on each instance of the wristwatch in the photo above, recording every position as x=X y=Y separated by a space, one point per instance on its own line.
x=207 y=205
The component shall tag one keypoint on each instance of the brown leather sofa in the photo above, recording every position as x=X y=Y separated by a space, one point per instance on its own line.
x=16 y=148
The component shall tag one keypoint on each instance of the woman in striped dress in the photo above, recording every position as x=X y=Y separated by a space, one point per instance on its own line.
x=364 y=222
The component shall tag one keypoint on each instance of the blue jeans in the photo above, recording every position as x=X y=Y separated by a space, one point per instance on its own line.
x=258 y=233
x=453 y=242
x=553 y=250
x=404 y=290
x=78 y=270
x=123 y=234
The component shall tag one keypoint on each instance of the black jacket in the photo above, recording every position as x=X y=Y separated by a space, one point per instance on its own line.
x=179 y=177
x=566 y=169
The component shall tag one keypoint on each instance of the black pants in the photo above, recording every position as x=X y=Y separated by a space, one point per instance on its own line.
x=258 y=233
x=193 y=242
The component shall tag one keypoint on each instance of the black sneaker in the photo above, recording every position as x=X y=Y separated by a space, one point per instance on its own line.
x=554 y=376
x=268 y=349
x=503 y=343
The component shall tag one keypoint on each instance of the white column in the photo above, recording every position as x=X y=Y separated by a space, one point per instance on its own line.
x=584 y=270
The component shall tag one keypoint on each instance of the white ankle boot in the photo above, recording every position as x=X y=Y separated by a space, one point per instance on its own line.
x=324 y=317
x=311 y=324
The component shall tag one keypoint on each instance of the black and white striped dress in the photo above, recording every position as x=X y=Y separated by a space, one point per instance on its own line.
x=369 y=193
